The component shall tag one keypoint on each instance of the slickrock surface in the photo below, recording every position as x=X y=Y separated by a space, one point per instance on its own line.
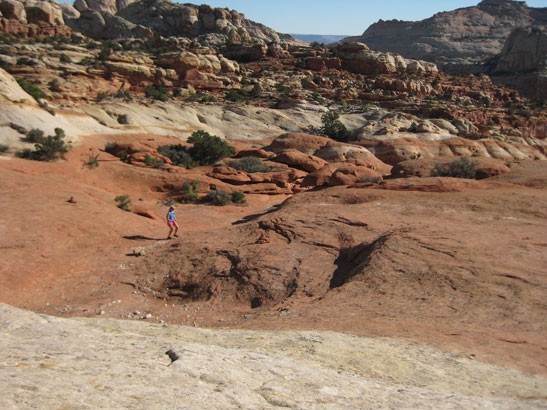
x=52 y=363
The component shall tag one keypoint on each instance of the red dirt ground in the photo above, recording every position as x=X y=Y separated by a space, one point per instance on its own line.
x=75 y=258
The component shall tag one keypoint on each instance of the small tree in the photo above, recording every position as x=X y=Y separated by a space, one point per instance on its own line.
x=208 y=149
x=34 y=135
x=333 y=127
x=178 y=155
x=50 y=147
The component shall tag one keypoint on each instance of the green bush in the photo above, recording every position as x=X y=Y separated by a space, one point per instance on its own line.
x=157 y=92
x=237 y=95
x=238 y=197
x=124 y=202
x=190 y=191
x=250 y=165
x=118 y=150
x=122 y=119
x=4 y=147
x=63 y=58
x=178 y=155
x=460 y=168
x=34 y=135
x=50 y=147
x=54 y=85
x=218 y=198
x=31 y=89
x=208 y=149
x=333 y=128
x=153 y=162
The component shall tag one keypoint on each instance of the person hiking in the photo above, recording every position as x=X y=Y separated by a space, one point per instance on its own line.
x=172 y=222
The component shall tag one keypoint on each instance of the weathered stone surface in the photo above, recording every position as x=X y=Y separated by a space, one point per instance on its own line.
x=397 y=150
x=48 y=359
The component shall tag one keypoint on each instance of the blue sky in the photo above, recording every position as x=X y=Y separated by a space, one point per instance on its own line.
x=350 y=17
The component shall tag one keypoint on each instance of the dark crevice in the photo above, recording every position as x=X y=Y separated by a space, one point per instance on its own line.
x=353 y=260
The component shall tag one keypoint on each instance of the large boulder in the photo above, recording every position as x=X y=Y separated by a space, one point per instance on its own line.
x=111 y=6
x=44 y=12
x=297 y=159
x=105 y=26
x=13 y=10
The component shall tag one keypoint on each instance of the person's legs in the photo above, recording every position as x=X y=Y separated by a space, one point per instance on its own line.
x=171 y=226
x=176 y=225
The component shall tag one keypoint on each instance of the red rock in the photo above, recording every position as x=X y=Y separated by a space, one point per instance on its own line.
x=299 y=160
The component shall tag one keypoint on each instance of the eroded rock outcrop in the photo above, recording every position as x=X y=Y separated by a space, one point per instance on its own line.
x=522 y=64
x=359 y=58
x=32 y=18
x=457 y=38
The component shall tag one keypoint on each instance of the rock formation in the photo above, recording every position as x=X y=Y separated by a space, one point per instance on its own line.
x=32 y=18
x=522 y=64
x=455 y=39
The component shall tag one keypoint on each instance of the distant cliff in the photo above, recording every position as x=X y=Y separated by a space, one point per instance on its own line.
x=319 y=38
x=455 y=39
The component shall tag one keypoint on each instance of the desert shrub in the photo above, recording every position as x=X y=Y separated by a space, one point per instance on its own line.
x=202 y=97
x=4 y=147
x=237 y=95
x=24 y=153
x=190 y=191
x=462 y=167
x=51 y=147
x=63 y=58
x=54 y=85
x=207 y=148
x=153 y=162
x=122 y=119
x=34 y=135
x=218 y=198
x=250 y=165
x=101 y=95
x=238 y=197
x=28 y=61
x=333 y=128
x=86 y=61
x=125 y=95
x=157 y=92
x=178 y=155
x=370 y=179
x=92 y=160
x=123 y=202
x=31 y=89
x=118 y=150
